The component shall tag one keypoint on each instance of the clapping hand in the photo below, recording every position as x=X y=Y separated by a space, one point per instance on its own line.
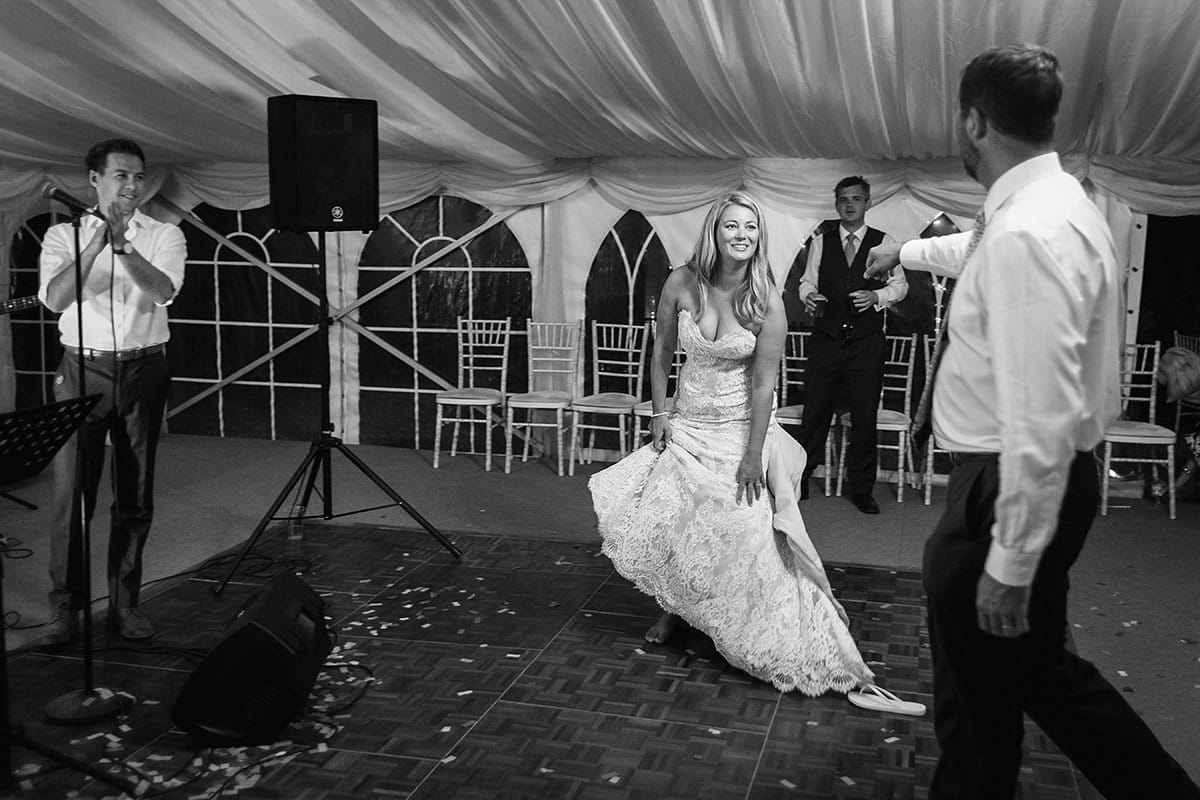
x=118 y=215
x=882 y=258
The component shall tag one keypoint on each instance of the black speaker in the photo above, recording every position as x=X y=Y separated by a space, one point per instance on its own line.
x=259 y=676
x=324 y=163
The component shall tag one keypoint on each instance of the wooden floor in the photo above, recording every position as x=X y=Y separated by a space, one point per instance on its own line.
x=518 y=671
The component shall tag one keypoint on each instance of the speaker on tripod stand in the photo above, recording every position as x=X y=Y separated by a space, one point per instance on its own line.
x=324 y=176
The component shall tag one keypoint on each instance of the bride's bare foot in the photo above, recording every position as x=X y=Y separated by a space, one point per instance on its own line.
x=662 y=630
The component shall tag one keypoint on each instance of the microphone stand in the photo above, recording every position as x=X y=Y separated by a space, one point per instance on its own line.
x=89 y=704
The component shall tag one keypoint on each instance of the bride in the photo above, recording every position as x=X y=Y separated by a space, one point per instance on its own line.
x=705 y=519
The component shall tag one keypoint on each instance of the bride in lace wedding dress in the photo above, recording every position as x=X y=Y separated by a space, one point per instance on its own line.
x=705 y=518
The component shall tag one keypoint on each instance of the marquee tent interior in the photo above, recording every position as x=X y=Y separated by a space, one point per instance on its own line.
x=552 y=159
x=551 y=121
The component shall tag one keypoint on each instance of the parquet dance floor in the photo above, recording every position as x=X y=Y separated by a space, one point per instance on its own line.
x=517 y=672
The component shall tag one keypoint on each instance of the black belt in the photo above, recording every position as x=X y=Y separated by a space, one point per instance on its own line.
x=116 y=355
x=962 y=457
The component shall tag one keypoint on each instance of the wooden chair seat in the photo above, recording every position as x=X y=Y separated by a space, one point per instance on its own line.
x=546 y=399
x=470 y=397
x=1131 y=432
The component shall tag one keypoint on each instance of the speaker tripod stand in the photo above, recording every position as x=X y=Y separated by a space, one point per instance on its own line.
x=319 y=457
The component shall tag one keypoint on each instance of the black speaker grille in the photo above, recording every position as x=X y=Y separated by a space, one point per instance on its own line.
x=324 y=163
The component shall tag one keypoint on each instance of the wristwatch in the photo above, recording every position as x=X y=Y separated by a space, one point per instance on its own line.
x=126 y=249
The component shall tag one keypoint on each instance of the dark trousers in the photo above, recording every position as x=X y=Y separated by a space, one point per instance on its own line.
x=853 y=369
x=983 y=684
x=130 y=412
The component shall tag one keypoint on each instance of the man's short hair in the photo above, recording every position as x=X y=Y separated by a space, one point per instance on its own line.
x=853 y=180
x=1017 y=87
x=97 y=157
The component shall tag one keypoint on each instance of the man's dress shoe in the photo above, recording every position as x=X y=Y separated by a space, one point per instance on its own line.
x=865 y=503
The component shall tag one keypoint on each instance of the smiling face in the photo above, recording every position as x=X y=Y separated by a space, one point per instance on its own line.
x=852 y=203
x=737 y=234
x=121 y=180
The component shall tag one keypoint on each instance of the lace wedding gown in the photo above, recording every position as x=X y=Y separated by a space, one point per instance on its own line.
x=747 y=576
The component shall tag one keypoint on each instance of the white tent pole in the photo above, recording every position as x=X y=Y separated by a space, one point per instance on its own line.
x=1134 y=276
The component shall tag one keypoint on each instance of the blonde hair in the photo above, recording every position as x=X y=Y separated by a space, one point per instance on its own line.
x=749 y=299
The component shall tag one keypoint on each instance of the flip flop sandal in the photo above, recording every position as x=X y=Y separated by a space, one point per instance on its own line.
x=876 y=698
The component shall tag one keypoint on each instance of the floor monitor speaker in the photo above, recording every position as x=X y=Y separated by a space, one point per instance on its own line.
x=324 y=163
x=258 y=677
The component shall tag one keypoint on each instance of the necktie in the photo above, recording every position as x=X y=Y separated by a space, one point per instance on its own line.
x=921 y=427
x=850 y=250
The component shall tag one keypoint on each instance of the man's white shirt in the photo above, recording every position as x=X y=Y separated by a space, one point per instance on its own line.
x=1031 y=369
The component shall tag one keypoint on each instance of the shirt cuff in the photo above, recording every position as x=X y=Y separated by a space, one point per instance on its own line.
x=1011 y=567
x=908 y=252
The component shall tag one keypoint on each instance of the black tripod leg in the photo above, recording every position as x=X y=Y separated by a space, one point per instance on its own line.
x=309 y=461
x=16 y=499
x=319 y=464
x=398 y=500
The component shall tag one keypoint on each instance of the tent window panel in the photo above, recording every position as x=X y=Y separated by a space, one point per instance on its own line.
x=297 y=411
x=378 y=367
x=1170 y=296
x=503 y=294
x=198 y=298
x=203 y=419
x=246 y=411
x=461 y=216
x=239 y=346
x=628 y=272
x=797 y=317
x=392 y=309
x=427 y=415
x=35 y=346
x=289 y=307
x=192 y=350
x=300 y=363
x=915 y=313
x=624 y=282
x=285 y=247
x=201 y=246
x=387 y=418
x=442 y=297
x=389 y=245
x=439 y=352
x=497 y=247
x=241 y=293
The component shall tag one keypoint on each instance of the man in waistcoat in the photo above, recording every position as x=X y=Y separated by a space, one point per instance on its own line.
x=846 y=350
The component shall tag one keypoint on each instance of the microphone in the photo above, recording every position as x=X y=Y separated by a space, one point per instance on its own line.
x=52 y=192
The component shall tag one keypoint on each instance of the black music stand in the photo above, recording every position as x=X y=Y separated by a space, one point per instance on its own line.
x=28 y=441
x=29 y=438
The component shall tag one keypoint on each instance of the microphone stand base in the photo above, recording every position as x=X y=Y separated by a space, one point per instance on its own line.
x=83 y=707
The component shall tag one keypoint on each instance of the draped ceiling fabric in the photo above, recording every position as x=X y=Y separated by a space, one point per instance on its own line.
x=585 y=105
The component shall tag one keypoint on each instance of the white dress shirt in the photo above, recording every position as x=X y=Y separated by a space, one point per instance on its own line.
x=897 y=284
x=1032 y=363
x=113 y=304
